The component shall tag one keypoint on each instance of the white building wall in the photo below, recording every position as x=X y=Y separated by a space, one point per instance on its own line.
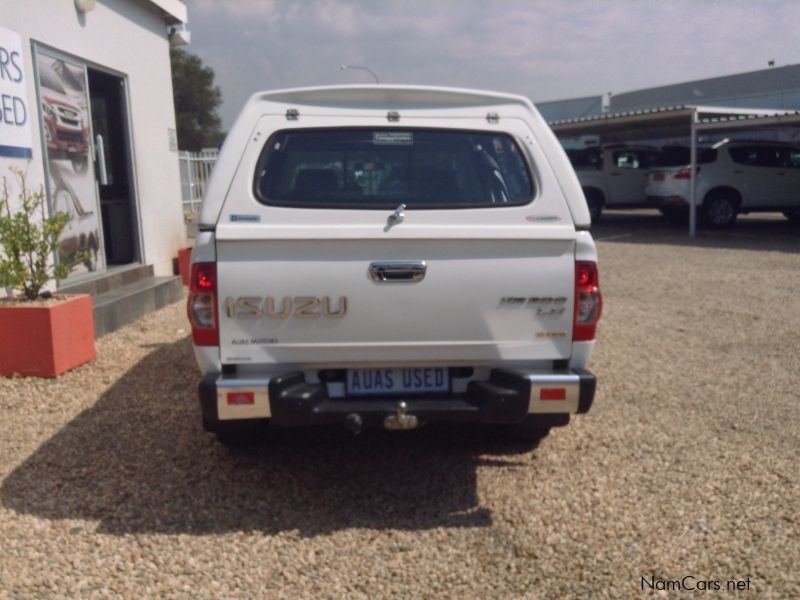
x=128 y=37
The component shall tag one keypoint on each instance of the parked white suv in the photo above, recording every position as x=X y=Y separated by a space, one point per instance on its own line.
x=614 y=176
x=732 y=177
x=388 y=256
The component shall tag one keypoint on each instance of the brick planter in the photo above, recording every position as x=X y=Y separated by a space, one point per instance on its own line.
x=46 y=340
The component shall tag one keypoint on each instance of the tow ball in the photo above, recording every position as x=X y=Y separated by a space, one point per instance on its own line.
x=400 y=420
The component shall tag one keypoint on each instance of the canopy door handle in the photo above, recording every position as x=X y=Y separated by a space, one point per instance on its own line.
x=411 y=271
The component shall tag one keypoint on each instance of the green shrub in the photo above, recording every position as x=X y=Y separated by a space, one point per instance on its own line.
x=28 y=239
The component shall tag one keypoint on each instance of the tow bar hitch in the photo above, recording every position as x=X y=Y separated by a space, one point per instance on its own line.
x=354 y=423
x=400 y=420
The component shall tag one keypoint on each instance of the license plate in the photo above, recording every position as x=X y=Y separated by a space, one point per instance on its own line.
x=363 y=382
x=658 y=177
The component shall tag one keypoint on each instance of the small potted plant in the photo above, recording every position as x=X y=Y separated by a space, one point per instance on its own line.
x=41 y=333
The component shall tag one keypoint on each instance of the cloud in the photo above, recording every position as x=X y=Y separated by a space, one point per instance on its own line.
x=238 y=8
x=543 y=49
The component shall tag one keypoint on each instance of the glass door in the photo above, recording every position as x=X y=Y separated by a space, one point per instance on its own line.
x=72 y=188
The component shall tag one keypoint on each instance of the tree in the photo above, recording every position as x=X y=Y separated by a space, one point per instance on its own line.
x=196 y=101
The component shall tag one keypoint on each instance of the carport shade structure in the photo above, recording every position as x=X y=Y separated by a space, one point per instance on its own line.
x=675 y=121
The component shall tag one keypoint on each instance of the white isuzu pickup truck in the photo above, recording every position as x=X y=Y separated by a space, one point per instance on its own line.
x=387 y=256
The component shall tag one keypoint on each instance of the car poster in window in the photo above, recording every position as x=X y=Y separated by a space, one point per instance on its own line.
x=66 y=128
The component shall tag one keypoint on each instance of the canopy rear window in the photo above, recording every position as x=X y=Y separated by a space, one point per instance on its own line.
x=382 y=168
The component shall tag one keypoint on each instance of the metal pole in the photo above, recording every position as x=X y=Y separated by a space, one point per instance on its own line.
x=198 y=181
x=187 y=163
x=693 y=177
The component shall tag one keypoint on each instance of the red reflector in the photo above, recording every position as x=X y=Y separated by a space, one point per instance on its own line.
x=237 y=398
x=552 y=394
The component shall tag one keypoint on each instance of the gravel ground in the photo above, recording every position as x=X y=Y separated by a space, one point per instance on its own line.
x=686 y=466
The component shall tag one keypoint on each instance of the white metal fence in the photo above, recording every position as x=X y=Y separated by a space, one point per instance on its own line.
x=195 y=170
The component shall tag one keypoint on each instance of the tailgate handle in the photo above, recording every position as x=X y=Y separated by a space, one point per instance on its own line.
x=410 y=271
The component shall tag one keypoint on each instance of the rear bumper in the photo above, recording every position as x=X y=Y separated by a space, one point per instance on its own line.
x=287 y=400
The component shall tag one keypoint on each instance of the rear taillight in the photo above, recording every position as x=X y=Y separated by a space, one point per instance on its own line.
x=202 y=304
x=588 y=301
x=684 y=173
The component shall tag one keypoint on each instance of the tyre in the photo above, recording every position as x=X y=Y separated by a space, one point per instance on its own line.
x=719 y=211
x=90 y=262
x=90 y=250
x=594 y=201
x=79 y=164
x=792 y=215
x=240 y=434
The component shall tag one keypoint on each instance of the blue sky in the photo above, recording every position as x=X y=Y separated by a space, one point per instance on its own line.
x=545 y=50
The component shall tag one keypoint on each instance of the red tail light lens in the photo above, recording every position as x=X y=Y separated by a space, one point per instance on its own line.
x=684 y=173
x=204 y=276
x=585 y=274
x=202 y=304
x=588 y=301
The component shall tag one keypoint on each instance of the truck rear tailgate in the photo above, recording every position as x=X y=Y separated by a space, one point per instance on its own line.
x=315 y=301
